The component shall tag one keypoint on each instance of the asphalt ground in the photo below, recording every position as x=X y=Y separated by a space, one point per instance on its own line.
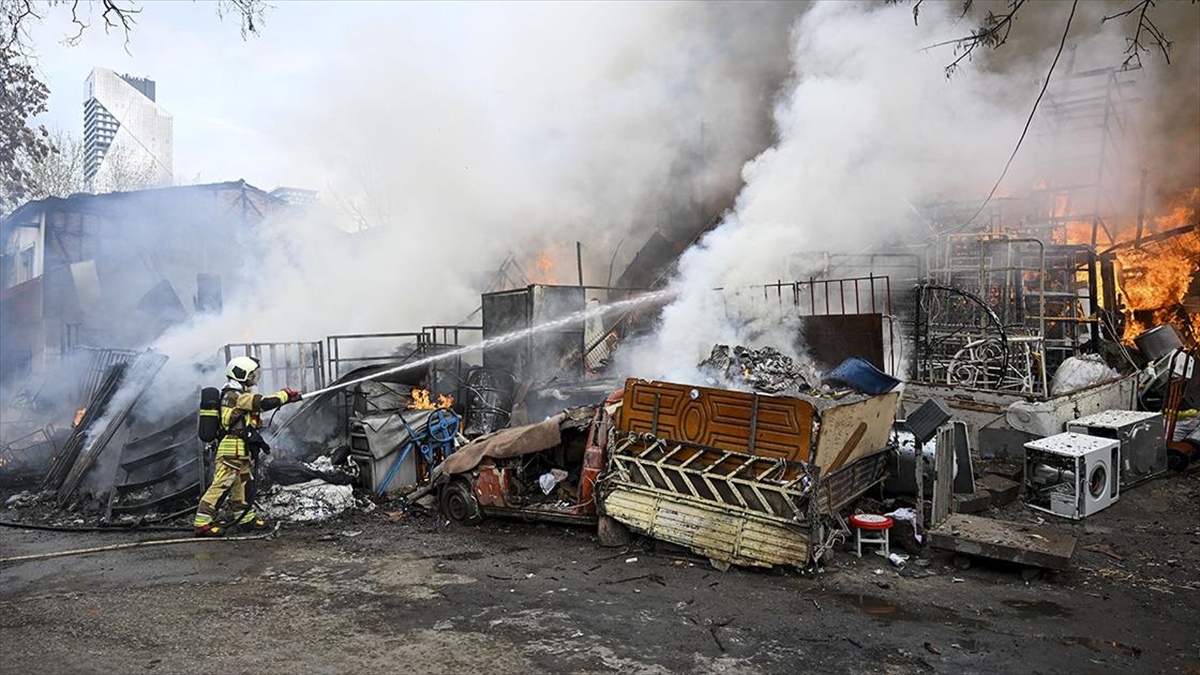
x=361 y=593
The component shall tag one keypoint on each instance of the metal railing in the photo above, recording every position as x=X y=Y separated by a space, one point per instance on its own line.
x=871 y=294
x=298 y=365
x=357 y=349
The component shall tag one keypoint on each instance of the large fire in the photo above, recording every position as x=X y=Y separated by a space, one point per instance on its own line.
x=421 y=400
x=1153 y=279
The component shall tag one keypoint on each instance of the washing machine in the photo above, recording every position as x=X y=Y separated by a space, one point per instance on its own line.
x=1142 y=438
x=1072 y=475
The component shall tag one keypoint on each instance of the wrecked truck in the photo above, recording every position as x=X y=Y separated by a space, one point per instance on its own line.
x=543 y=471
x=737 y=477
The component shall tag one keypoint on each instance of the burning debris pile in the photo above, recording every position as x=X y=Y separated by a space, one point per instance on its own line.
x=768 y=371
x=764 y=370
x=422 y=400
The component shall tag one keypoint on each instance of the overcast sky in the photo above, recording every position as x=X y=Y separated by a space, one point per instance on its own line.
x=235 y=102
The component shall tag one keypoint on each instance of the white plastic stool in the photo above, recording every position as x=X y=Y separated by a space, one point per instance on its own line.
x=870 y=522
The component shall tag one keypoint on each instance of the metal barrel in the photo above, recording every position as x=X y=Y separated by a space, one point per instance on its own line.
x=489 y=401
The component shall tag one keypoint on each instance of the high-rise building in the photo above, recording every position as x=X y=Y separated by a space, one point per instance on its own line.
x=127 y=137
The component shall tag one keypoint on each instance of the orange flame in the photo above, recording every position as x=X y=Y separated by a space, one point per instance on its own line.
x=544 y=269
x=1152 y=279
x=1155 y=278
x=79 y=416
x=422 y=401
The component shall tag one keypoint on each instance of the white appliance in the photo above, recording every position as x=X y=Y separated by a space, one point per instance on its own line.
x=1142 y=438
x=1072 y=475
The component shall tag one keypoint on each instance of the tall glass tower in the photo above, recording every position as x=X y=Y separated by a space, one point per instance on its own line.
x=125 y=131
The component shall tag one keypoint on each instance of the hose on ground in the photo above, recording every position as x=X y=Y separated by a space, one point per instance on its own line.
x=109 y=528
x=136 y=544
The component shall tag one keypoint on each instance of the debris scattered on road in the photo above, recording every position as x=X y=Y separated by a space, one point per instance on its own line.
x=1106 y=550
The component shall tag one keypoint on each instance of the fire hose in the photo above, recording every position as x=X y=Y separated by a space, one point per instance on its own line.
x=135 y=544
x=102 y=528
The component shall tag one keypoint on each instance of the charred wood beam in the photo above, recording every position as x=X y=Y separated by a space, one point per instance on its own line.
x=1161 y=236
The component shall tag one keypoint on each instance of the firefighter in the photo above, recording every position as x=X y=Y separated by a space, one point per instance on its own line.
x=239 y=444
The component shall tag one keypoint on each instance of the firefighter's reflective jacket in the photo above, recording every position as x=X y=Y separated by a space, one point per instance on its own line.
x=240 y=418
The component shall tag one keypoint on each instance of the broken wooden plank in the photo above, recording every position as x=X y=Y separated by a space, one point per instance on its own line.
x=1026 y=544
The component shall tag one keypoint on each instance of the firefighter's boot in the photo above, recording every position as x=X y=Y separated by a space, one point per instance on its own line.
x=209 y=530
x=252 y=523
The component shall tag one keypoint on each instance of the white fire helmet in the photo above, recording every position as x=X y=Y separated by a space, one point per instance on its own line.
x=243 y=369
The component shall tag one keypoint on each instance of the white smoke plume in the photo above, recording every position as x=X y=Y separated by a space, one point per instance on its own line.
x=542 y=127
x=868 y=125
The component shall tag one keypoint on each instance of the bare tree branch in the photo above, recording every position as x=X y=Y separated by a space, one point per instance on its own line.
x=60 y=173
x=993 y=31
x=1045 y=85
x=14 y=19
x=1144 y=25
x=251 y=13
x=73 y=40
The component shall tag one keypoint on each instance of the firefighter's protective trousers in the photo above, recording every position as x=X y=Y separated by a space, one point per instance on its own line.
x=231 y=475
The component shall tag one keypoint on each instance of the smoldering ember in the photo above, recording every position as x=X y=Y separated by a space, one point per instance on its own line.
x=835 y=336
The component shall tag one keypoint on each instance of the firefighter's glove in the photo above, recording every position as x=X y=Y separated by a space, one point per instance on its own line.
x=292 y=395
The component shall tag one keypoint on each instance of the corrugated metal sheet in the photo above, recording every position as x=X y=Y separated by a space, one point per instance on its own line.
x=728 y=506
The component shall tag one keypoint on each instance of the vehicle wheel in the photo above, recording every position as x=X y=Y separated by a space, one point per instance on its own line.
x=961 y=562
x=458 y=503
